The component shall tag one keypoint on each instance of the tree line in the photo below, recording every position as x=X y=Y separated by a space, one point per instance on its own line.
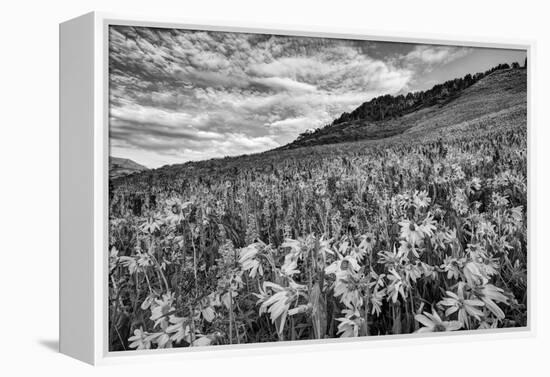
x=389 y=106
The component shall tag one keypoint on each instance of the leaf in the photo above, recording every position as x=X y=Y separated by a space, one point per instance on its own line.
x=319 y=312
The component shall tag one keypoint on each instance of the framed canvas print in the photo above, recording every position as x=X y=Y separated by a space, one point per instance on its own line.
x=231 y=188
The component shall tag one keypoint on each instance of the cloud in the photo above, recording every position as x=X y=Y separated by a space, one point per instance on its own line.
x=284 y=84
x=150 y=115
x=293 y=125
x=179 y=95
x=161 y=151
x=431 y=55
x=304 y=68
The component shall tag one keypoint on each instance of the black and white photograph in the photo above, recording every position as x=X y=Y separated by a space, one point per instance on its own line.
x=275 y=188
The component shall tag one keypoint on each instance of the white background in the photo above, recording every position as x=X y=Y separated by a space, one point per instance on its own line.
x=29 y=185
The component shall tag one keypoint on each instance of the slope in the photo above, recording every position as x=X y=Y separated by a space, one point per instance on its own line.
x=120 y=167
x=496 y=92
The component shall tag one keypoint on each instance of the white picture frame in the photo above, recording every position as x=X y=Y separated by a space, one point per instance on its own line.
x=84 y=190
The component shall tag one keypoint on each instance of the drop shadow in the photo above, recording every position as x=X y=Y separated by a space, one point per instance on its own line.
x=52 y=345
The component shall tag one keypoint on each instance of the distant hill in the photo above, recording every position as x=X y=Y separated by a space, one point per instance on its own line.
x=120 y=167
x=453 y=102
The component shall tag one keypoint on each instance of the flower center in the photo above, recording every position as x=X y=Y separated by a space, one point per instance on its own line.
x=412 y=227
x=439 y=328
x=344 y=265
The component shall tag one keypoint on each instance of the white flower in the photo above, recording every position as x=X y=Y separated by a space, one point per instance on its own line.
x=162 y=339
x=414 y=233
x=343 y=265
x=408 y=248
x=180 y=329
x=490 y=295
x=130 y=263
x=465 y=307
x=150 y=225
x=248 y=260
x=206 y=309
x=113 y=258
x=421 y=199
x=290 y=266
x=207 y=340
x=140 y=340
x=434 y=323
x=350 y=324
x=474 y=275
x=396 y=286
x=475 y=184
x=376 y=298
x=175 y=209
x=452 y=267
x=160 y=308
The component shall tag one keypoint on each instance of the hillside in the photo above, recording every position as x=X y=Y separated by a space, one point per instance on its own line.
x=495 y=92
x=121 y=167
x=496 y=102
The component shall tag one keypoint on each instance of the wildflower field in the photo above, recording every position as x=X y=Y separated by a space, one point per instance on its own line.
x=424 y=232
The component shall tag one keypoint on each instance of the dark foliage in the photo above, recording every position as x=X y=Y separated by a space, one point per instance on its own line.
x=388 y=106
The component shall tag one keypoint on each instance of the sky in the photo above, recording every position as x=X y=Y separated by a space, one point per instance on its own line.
x=180 y=95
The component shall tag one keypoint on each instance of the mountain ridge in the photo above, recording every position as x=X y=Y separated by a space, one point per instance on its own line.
x=388 y=116
x=121 y=167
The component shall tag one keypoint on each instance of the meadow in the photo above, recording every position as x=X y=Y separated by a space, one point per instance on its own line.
x=423 y=232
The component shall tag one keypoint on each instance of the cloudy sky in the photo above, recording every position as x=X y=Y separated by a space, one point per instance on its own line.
x=178 y=95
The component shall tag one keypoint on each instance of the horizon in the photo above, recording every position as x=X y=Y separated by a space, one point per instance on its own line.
x=180 y=95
